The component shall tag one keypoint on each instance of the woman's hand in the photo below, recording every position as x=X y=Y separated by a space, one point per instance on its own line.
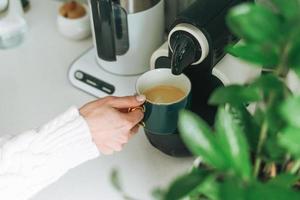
x=110 y=124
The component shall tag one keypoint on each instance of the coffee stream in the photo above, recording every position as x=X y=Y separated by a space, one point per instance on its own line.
x=164 y=94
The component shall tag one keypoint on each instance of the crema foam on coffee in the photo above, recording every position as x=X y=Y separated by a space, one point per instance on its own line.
x=164 y=94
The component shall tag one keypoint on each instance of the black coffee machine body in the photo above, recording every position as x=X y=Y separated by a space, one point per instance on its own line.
x=196 y=43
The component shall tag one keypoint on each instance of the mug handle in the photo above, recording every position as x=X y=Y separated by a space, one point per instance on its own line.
x=143 y=109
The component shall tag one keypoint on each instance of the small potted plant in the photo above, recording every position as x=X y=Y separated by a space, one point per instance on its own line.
x=250 y=155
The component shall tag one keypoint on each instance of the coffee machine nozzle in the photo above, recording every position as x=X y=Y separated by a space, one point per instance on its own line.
x=199 y=35
x=185 y=52
x=188 y=46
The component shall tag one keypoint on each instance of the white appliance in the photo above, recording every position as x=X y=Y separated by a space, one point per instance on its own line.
x=12 y=23
x=126 y=33
x=86 y=74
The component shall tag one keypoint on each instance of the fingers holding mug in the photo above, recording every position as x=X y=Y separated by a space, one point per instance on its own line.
x=134 y=117
x=134 y=131
x=142 y=109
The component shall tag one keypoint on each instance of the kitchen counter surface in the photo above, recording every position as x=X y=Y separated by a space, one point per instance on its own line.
x=34 y=89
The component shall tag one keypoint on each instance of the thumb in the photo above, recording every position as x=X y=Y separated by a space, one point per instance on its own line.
x=128 y=101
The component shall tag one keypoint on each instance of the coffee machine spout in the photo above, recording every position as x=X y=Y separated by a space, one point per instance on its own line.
x=185 y=52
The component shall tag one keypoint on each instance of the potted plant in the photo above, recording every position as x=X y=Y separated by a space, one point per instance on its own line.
x=250 y=155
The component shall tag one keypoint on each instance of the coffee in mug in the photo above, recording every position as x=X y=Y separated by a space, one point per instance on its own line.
x=163 y=94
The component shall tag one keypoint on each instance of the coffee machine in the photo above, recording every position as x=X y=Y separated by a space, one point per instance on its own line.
x=173 y=8
x=125 y=34
x=195 y=45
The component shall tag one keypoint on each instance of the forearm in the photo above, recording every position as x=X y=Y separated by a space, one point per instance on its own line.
x=31 y=161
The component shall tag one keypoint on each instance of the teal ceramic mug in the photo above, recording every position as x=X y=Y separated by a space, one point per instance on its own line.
x=162 y=118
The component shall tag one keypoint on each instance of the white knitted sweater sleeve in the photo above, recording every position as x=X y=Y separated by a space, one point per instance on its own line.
x=34 y=159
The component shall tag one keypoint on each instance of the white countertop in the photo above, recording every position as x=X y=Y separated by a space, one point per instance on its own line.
x=34 y=89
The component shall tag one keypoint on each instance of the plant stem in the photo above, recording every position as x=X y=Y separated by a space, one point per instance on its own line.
x=286 y=161
x=262 y=138
x=281 y=71
x=296 y=167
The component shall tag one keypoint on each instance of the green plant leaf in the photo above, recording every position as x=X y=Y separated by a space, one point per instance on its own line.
x=290 y=111
x=289 y=9
x=259 y=115
x=247 y=123
x=289 y=139
x=294 y=56
x=115 y=180
x=273 y=117
x=284 y=180
x=263 y=55
x=272 y=151
x=233 y=142
x=209 y=189
x=158 y=194
x=269 y=83
x=272 y=192
x=232 y=189
x=200 y=140
x=235 y=95
x=254 y=22
x=187 y=184
x=272 y=88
